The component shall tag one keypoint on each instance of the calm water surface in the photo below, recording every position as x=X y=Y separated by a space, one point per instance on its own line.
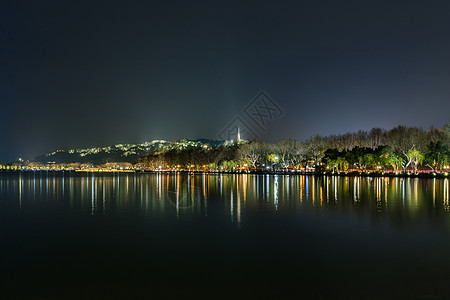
x=139 y=236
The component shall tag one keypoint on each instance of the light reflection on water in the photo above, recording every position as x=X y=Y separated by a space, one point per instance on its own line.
x=182 y=194
x=317 y=237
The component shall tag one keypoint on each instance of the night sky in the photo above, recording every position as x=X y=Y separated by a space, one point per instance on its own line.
x=96 y=73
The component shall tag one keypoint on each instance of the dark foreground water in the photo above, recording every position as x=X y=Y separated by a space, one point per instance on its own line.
x=142 y=236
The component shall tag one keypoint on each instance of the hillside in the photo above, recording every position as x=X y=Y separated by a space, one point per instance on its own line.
x=122 y=152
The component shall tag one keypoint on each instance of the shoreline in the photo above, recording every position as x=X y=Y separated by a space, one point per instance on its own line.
x=430 y=175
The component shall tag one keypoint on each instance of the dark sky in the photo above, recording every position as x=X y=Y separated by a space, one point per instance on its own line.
x=94 y=73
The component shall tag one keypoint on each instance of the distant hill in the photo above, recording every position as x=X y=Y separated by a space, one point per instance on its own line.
x=123 y=152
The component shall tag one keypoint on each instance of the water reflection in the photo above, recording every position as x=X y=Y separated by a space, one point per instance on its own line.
x=445 y=194
x=186 y=194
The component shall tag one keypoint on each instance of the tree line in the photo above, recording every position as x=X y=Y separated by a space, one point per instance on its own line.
x=400 y=149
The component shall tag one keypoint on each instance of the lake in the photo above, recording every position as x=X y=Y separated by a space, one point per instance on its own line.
x=167 y=235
